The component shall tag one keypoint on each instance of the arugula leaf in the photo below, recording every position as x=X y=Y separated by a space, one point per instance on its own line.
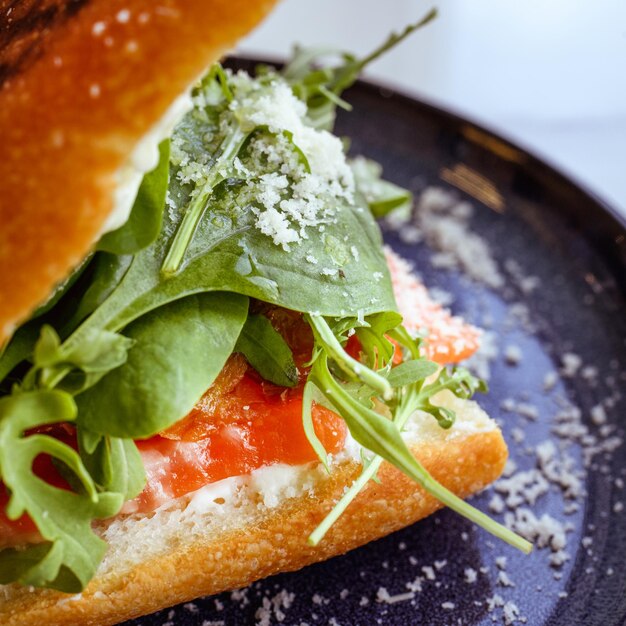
x=72 y=551
x=355 y=370
x=115 y=464
x=382 y=197
x=411 y=372
x=321 y=88
x=178 y=351
x=146 y=217
x=78 y=366
x=373 y=337
x=460 y=382
x=382 y=436
x=214 y=86
x=368 y=427
x=267 y=351
x=96 y=282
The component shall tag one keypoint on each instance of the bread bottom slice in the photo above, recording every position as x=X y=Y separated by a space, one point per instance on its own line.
x=239 y=531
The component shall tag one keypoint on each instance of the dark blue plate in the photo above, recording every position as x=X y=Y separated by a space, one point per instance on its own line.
x=575 y=245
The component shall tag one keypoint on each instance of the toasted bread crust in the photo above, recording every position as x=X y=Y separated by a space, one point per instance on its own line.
x=276 y=543
x=83 y=81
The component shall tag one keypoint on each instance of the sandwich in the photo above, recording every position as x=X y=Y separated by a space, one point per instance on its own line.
x=211 y=368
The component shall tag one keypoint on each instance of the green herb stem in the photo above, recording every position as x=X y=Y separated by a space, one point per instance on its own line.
x=220 y=171
x=349 y=365
x=188 y=225
x=374 y=432
x=369 y=471
x=446 y=497
x=309 y=429
x=334 y=98
x=395 y=38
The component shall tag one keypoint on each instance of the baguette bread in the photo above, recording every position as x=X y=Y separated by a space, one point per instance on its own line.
x=186 y=550
x=80 y=84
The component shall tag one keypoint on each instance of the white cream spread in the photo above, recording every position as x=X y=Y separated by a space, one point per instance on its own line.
x=144 y=158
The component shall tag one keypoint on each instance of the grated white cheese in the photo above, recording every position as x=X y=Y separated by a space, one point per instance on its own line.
x=470 y=575
x=480 y=362
x=550 y=381
x=288 y=199
x=501 y=562
x=415 y=585
x=496 y=504
x=444 y=222
x=598 y=415
x=545 y=531
x=523 y=487
x=274 y=607
x=571 y=364
x=511 y=613
x=383 y=596
x=526 y=284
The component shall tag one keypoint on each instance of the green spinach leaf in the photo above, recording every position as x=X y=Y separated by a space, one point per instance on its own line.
x=178 y=351
x=104 y=275
x=231 y=255
x=20 y=347
x=267 y=351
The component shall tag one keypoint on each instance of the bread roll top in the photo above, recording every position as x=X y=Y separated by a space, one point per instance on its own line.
x=81 y=83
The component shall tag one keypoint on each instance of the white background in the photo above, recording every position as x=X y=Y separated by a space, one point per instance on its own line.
x=548 y=74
